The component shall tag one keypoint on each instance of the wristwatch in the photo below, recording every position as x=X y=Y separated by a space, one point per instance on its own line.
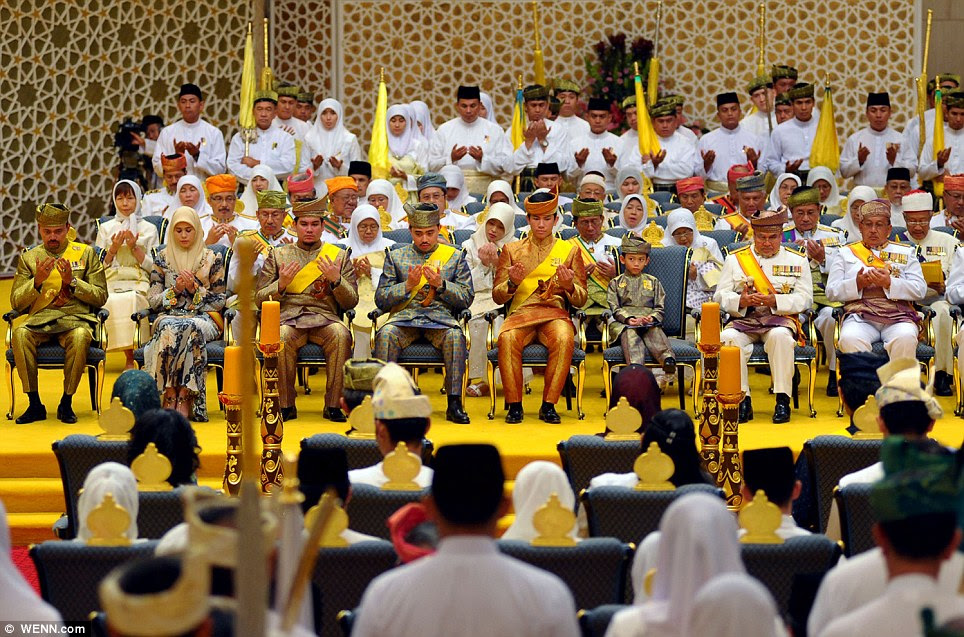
x=544 y=143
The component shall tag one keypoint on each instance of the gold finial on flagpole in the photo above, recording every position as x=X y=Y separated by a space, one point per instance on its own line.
x=381 y=75
x=927 y=42
x=535 y=21
x=520 y=81
x=636 y=68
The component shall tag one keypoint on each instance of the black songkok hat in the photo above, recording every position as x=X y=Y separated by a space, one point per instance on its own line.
x=468 y=93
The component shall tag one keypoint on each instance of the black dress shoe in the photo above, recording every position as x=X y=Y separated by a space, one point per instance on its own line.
x=334 y=414
x=515 y=414
x=547 y=413
x=34 y=413
x=943 y=384
x=289 y=413
x=746 y=410
x=832 y=384
x=781 y=412
x=669 y=365
x=65 y=414
x=455 y=413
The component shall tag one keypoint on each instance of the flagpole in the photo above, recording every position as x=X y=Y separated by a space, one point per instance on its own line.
x=922 y=84
x=762 y=65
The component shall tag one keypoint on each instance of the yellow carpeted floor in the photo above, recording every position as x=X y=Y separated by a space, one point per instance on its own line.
x=30 y=479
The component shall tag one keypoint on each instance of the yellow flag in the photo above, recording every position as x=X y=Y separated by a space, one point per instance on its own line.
x=652 y=84
x=517 y=132
x=378 y=149
x=938 y=134
x=648 y=141
x=245 y=112
x=826 y=149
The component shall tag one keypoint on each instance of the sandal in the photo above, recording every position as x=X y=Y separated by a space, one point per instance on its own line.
x=477 y=390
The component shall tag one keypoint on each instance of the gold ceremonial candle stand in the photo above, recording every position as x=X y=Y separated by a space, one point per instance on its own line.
x=272 y=426
x=232 y=464
x=710 y=410
x=730 y=476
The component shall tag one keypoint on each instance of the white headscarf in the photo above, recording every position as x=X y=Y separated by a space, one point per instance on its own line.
x=697 y=541
x=328 y=142
x=401 y=145
x=385 y=188
x=249 y=198
x=499 y=185
x=130 y=221
x=202 y=208
x=424 y=117
x=775 y=202
x=643 y=221
x=489 y=108
x=847 y=223
x=19 y=600
x=503 y=213
x=455 y=179
x=358 y=247
x=734 y=605
x=113 y=478
x=534 y=484
x=189 y=258
x=832 y=203
x=683 y=218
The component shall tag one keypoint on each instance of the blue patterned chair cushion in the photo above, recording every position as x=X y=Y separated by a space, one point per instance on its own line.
x=800 y=354
x=537 y=354
x=420 y=352
x=311 y=353
x=924 y=352
x=53 y=354
x=683 y=352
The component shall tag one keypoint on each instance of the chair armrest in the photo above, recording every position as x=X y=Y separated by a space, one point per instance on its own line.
x=606 y=315
x=580 y=315
x=955 y=312
x=837 y=313
x=464 y=316
x=140 y=315
x=350 y=315
x=374 y=314
x=696 y=314
x=10 y=316
x=102 y=314
x=926 y=310
x=809 y=313
x=490 y=317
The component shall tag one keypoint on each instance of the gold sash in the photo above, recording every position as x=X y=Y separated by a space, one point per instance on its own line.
x=50 y=288
x=751 y=267
x=589 y=257
x=543 y=272
x=311 y=271
x=440 y=256
x=866 y=256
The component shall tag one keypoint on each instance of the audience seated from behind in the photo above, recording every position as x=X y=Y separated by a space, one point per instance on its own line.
x=137 y=391
x=735 y=605
x=771 y=471
x=174 y=438
x=638 y=385
x=534 y=484
x=321 y=469
x=412 y=533
x=19 y=599
x=108 y=478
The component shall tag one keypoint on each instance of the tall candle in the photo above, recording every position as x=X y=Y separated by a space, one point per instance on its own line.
x=270 y=323
x=232 y=370
x=710 y=324
x=729 y=382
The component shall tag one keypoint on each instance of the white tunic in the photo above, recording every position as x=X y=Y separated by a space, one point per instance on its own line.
x=299 y=127
x=897 y=610
x=556 y=151
x=496 y=147
x=573 y=125
x=908 y=285
x=873 y=172
x=790 y=141
x=210 y=160
x=794 y=293
x=756 y=123
x=728 y=146
x=953 y=139
x=595 y=161
x=240 y=223
x=375 y=476
x=467 y=588
x=679 y=163
x=954 y=287
x=273 y=147
x=158 y=202
x=912 y=130
x=862 y=579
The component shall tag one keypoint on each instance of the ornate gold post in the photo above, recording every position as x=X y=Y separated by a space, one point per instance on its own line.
x=730 y=476
x=710 y=410
x=232 y=464
x=272 y=426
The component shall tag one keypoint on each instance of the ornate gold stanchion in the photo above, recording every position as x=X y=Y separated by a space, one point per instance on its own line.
x=272 y=425
x=709 y=413
x=729 y=396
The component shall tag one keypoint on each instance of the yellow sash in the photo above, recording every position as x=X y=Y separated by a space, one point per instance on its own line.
x=589 y=257
x=50 y=288
x=311 y=271
x=261 y=243
x=438 y=258
x=543 y=272
x=866 y=256
x=751 y=267
x=736 y=220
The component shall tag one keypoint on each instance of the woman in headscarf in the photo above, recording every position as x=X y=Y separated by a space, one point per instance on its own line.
x=697 y=541
x=331 y=147
x=366 y=246
x=706 y=262
x=137 y=391
x=782 y=189
x=482 y=255
x=455 y=190
x=855 y=199
x=638 y=386
x=115 y=479
x=823 y=180
x=735 y=605
x=629 y=182
x=190 y=193
x=632 y=214
x=188 y=292
x=127 y=241
x=423 y=119
x=262 y=178
x=488 y=110
x=19 y=599
x=174 y=438
x=534 y=484
x=382 y=194
x=407 y=149
x=500 y=191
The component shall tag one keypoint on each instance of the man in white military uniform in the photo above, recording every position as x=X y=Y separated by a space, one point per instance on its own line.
x=820 y=243
x=878 y=282
x=764 y=287
x=751 y=196
x=728 y=145
x=224 y=224
x=402 y=414
x=468 y=583
x=936 y=248
x=200 y=142
x=272 y=146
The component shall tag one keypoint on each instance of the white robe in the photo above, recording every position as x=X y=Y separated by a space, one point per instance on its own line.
x=595 y=161
x=375 y=476
x=496 y=148
x=300 y=128
x=573 y=125
x=873 y=172
x=273 y=147
x=953 y=139
x=679 y=163
x=728 y=146
x=557 y=151
x=127 y=280
x=158 y=202
x=210 y=160
x=756 y=123
x=790 y=141
x=912 y=129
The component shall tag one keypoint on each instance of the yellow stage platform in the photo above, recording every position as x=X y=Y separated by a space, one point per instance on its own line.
x=30 y=479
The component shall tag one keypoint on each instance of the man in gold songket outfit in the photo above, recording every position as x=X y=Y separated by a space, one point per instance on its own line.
x=540 y=277
x=59 y=284
x=315 y=283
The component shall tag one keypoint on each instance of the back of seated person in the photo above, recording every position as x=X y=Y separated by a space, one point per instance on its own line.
x=321 y=469
x=115 y=480
x=137 y=391
x=174 y=438
x=771 y=471
x=638 y=385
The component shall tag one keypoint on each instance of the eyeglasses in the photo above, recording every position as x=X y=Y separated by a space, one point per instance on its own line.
x=348 y=198
x=926 y=222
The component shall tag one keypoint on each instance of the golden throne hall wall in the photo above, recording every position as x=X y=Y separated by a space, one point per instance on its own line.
x=706 y=46
x=70 y=70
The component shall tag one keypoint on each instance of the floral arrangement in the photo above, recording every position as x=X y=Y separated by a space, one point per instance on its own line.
x=611 y=72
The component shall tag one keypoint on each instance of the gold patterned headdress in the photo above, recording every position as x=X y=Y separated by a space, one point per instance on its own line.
x=52 y=215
